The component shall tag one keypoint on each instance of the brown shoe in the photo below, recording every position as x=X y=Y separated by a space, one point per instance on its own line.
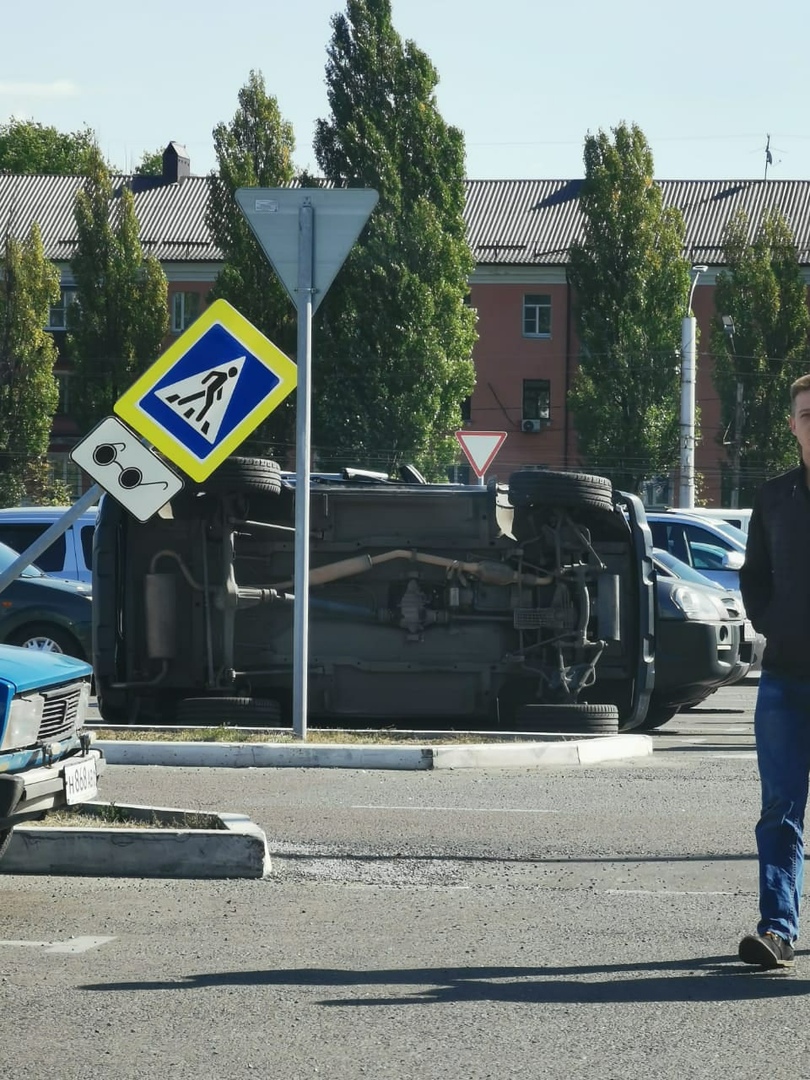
x=768 y=950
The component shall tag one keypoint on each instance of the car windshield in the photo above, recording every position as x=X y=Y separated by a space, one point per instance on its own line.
x=7 y=557
x=675 y=568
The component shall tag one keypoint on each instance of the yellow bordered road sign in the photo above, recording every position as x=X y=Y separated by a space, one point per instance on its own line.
x=206 y=393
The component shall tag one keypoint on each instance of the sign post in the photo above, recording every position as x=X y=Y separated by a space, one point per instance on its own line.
x=306 y=259
x=480 y=448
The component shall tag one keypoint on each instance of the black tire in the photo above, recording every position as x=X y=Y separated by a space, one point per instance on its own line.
x=229 y=711
x=579 y=718
x=243 y=476
x=543 y=487
x=657 y=716
x=47 y=638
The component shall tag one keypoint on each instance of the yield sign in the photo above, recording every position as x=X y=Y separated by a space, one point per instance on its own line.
x=273 y=215
x=481 y=447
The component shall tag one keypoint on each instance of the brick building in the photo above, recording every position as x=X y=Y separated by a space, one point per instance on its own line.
x=519 y=232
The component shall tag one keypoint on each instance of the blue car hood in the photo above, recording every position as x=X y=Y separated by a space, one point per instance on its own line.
x=29 y=669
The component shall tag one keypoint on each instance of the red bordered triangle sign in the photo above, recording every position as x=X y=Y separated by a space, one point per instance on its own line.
x=480 y=447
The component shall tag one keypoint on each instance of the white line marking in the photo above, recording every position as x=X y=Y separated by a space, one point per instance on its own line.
x=669 y=892
x=459 y=809
x=72 y=945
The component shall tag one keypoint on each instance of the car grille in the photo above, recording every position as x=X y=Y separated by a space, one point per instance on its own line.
x=733 y=607
x=61 y=710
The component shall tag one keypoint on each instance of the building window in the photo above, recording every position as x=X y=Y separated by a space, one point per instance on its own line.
x=63 y=380
x=185 y=309
x=536 y=315
x=58 y=315
x=536 y=404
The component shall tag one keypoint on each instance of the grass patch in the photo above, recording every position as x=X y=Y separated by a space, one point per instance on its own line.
x=110 y=816
x=342 y=738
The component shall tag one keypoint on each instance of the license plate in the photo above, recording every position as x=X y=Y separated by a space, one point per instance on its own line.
x=748 y=631
x=81 y=782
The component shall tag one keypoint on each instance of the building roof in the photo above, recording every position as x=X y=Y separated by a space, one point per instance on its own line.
x=509 y=222
x=171 y=215
x=534 y=222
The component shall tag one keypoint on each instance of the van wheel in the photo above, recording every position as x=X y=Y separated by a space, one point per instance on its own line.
x=541 y=487
x=229 y=711
x=44 y=637
x=242 y=476
x=579 y=718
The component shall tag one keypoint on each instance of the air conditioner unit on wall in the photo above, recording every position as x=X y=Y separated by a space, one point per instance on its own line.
x=531 y=425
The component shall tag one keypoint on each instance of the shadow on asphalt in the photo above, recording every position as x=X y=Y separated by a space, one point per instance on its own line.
x=716 y=978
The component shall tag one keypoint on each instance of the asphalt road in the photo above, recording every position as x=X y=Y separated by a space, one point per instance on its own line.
x=470 y=925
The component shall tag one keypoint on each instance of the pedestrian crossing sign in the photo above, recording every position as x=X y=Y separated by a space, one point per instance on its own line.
x=207 y=392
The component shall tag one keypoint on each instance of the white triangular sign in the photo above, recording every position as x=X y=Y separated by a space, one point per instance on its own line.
x=202 y=399
x=480 y=447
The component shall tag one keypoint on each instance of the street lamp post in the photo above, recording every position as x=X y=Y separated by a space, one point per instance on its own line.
x=686 y=497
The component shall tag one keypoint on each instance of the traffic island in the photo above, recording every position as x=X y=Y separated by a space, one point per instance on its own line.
x=160 y=842
x=537 y=752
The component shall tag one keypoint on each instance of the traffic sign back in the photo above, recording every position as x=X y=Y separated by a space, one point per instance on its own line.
x=340 y=214
x=208 y=390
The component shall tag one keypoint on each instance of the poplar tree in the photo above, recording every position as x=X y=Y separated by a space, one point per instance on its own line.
x=254 y=150
x=393 y=340
x=120 y=317
x=632 y=284
x=760 y=352
x=29 y=284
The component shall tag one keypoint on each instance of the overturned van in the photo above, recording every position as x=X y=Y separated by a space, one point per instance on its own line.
x=528 y=603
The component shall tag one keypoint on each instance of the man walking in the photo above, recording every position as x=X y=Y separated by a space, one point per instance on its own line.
x=775 y=583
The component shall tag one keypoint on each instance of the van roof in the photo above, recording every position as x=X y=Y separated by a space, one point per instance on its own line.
x=39 y=513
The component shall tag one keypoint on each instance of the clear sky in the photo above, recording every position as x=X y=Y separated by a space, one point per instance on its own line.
x=706 y=80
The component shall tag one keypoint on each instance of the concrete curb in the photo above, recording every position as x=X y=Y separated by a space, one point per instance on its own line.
x=237 y=848
x=535 y=754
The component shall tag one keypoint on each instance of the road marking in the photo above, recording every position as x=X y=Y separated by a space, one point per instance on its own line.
x=669 y=892
x=72 y=945
x=459 y=809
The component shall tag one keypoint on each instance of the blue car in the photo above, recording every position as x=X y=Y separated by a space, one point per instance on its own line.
x=47 y=760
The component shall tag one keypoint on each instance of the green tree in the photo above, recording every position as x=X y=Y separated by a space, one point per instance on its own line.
x=254 y=150
x=28 y=147
x=394 y=336
x=151 y=163
x=631 y=284
x=29 y=284
x=120 y=317
x=764 y=293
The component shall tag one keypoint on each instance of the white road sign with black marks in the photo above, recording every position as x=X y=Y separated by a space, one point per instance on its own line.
x=115 y=458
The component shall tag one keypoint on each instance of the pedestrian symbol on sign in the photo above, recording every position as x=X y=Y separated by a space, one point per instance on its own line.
x=202 y=399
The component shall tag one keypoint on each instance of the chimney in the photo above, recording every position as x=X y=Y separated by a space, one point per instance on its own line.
x=176 y=163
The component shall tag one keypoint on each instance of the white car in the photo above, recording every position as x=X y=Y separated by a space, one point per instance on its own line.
x=69 y=556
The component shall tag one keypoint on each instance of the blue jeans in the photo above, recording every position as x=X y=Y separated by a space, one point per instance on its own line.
x=782 y=731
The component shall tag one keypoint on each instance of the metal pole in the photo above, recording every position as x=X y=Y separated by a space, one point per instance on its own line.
x=306 y=247
x=738 y=419
x=687 y=489
x=32 y=553
x=686 y=499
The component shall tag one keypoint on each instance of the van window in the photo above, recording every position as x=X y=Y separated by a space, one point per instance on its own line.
x=21 y=537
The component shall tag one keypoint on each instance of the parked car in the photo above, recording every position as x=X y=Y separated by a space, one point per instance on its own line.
x=736 y=516
x=69 y=556
x=752 y=644
x=45 y=613
x=716 y=549
x=699 y=635
x=525 y=603
x=47 y=760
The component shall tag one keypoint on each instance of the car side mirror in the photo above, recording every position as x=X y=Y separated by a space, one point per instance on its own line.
x=733 y=560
